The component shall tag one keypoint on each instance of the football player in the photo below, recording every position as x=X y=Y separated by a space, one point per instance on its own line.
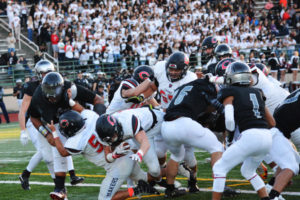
x=49 y=99
x=287 y=127
x=140 y=125
x=43 y=148
x=207 y=56
x=243 y=106
x=79 y=130
x=181 y=128
x=130 y=91
x=168 y=76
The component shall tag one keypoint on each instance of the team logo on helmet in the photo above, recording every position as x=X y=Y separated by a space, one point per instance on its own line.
x=64 y=123
x=225 y=64
x=214 y=40
x=111 y=120
x=174 y=66
x=144 y=75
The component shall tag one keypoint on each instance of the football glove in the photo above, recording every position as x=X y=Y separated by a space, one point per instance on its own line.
x=120 y=150
x=135 y=99
x=138 y=156
x=24 y=137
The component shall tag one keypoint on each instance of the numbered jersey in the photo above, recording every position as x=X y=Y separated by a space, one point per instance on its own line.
x=287 y=115
x=249 y=106
x=118 y=101
x=165 y=87
x=190 y=101
x=274 y=94
x=87 y=141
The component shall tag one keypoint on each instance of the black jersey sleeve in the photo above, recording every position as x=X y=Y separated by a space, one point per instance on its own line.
x=84 y=95
x=30 y=87
x=33 y=109
x=15 y=89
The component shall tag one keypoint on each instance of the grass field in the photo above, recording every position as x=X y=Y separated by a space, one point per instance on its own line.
x=14 y=158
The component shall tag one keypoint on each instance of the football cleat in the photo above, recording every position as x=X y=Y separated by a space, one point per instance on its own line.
x=192 y=185
x=59 y=195
x=229 y=192
x=76 y=180
x=144 y=187
x=262 y=171
x=24 y=182
x=172 y=191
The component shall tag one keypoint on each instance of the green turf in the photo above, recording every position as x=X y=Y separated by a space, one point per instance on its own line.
x=14 y=158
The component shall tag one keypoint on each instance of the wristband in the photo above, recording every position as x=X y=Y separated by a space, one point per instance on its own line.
x=55 y=135
x=130 y=192
x=43 y=131
x=140 y=153
x=72 y=102
x=110 y=157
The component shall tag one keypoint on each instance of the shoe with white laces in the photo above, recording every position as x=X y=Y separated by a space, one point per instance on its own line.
x=59 y=195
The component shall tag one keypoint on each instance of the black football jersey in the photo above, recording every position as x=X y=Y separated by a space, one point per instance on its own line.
x=30 y=87
x=249 y=106
x=287 y=114
x=21 y=93
x=41 y=108
x=189 y=100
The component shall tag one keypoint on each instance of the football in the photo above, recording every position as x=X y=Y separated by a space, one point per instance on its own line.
x=126 y=144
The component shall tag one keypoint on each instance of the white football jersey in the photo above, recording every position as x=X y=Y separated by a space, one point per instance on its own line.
x=167 y=88
x=118 y=102
x=274 y=94
x=87 y=141
x=133 y=120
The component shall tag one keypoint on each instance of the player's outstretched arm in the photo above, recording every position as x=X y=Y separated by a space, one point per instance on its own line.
x=142 y=138
x=271 y=121
x=138 y=90
x=59 y=146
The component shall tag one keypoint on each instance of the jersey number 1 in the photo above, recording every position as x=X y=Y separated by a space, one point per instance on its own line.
x=255 y=104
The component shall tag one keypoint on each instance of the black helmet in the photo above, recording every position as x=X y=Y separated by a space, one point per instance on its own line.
x=52 y=86
x=223 y=50
x=70 y=123
x=222 y=66
x=142 y=72
x=177 y=60
x=43 y=67
x=238 y=73
x=209 y=42
x=107 y=127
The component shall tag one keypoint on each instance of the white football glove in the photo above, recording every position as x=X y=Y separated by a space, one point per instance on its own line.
x=24 y=137
x=138 y=156
x=121 y=150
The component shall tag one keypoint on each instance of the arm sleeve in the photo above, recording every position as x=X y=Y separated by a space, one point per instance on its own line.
x=73 y=151
x=136 y=125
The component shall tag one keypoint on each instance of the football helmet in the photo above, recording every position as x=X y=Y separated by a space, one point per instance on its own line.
x=261 y=66
x=109 y=130
x=177 y=66
x=43 y=67
x=142 y=72
x=209 y=43
x=238 y=73
x=222 y=66
x=70 y=123
x=52 y=86
x=223 y=50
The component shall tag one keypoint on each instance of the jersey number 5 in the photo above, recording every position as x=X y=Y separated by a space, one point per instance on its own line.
x=95 y=143
x=255 y=105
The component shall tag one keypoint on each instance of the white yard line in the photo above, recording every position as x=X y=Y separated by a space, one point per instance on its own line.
x=125 y=186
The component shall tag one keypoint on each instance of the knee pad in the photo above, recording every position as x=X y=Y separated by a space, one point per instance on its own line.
x=190 y=159
x=248 y=174
x=154 y=171
x=218 y=170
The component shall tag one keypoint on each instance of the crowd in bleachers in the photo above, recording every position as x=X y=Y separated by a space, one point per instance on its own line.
x=125 y=34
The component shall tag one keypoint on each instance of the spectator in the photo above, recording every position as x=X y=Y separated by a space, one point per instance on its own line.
x=24 y=13
x=61 y=50
x=12 y=61
x=18 y=92
x=23 y=62
x=54 y=41
x=3 y=107
x=3 y=6
x=30 y=28
x=17 y=26
x=294 y=65
x=84 y=57
x=11 y=41
x=37 y=56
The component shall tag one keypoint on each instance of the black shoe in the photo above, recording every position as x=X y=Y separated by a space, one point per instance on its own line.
x=24 y=182
x=192 y=185
x=75 y=180
x=171 y=192
x=144 y=187
x=229 y=192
